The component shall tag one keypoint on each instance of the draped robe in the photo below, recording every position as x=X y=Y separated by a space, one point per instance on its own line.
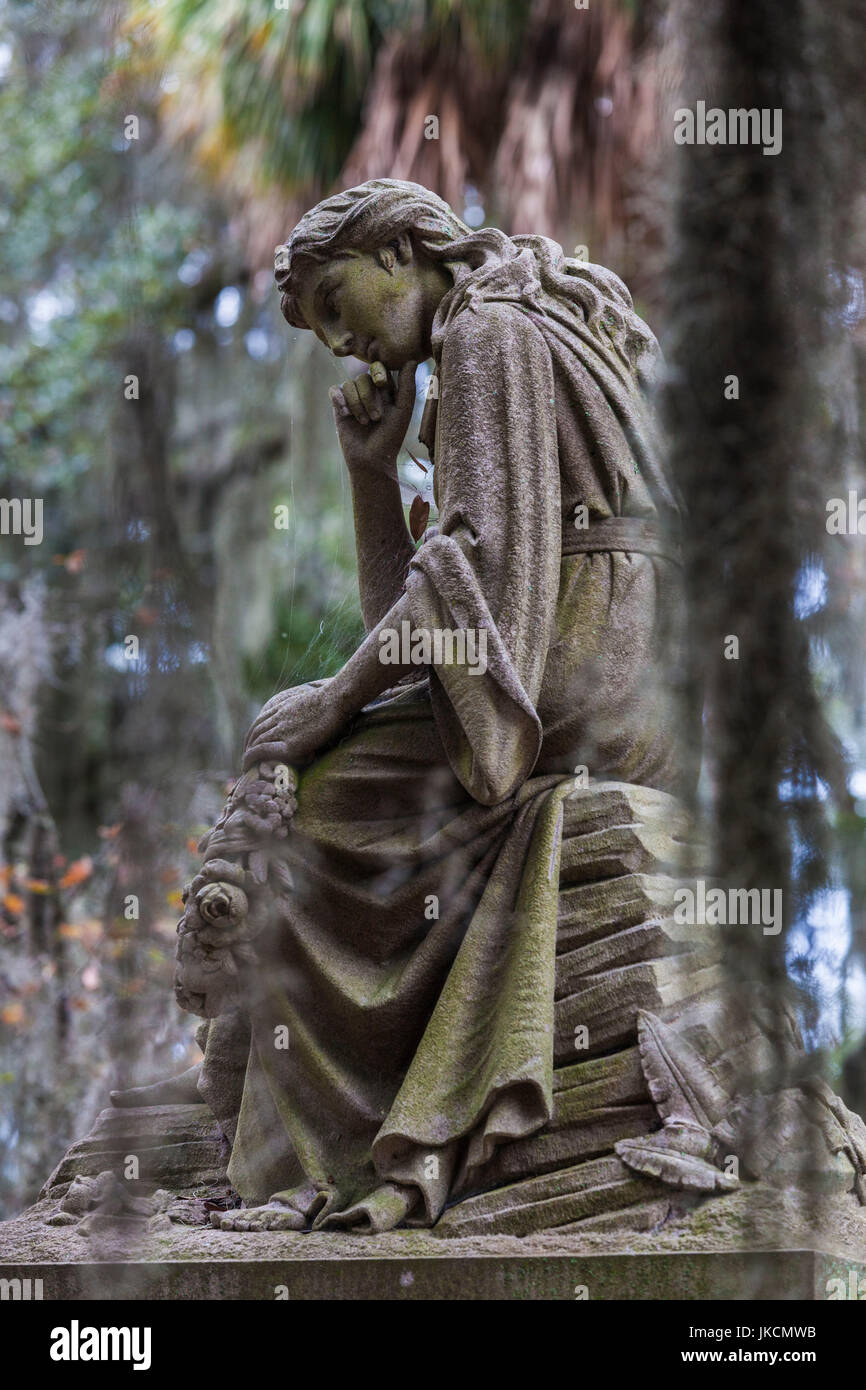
x=412 y=974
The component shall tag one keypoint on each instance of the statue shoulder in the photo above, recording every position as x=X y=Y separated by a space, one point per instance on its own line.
x=488 y=330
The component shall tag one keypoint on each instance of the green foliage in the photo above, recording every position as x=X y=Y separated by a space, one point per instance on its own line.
x=292 y=81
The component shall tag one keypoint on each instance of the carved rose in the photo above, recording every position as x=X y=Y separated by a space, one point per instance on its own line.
x=225 y=910
x=222 y=904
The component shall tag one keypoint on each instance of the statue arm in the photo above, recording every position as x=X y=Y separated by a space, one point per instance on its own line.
x=383 y=543
x=372 y=414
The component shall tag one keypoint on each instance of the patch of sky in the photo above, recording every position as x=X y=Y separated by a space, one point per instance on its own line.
x=810 y=595
x=227 y=306
x=192 y=268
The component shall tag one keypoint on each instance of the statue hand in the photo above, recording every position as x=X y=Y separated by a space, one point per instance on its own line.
x=294 y=724
x=372 y=417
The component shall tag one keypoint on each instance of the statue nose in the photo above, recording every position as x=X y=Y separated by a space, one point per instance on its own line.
x=343 y=346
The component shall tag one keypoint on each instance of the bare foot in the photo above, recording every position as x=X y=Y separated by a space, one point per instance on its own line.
x=271 y=1217
x=175 y=1090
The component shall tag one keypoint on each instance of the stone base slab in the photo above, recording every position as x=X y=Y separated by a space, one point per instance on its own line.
x=702 y=1276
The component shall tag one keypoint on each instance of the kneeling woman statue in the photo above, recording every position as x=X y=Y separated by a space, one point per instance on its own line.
x=381 y=892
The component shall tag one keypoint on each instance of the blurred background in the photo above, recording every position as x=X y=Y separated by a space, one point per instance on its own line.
x=198 y=551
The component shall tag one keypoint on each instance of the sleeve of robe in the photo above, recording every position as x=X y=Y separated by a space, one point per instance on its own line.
x=496 y=560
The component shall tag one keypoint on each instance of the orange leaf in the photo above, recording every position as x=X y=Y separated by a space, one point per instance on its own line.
x=78 y=872
x=12 y=1014
x=13 y=903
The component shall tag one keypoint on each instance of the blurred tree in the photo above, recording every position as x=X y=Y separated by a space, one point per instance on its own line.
x=767 y=315
x=532 y=111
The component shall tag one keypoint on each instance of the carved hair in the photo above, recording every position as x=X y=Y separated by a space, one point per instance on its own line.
x=367 y=218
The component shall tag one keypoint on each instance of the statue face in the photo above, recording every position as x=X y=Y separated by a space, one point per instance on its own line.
x=377 y=306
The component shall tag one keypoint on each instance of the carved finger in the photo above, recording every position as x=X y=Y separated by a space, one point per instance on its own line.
x=353 y=400
x=381 y=377
x=264 y=724
x=265 y=750
x=268 y=733
x=369 y=396
x=338 y=401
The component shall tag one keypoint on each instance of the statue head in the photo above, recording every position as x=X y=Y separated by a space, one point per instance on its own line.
x=366 y=270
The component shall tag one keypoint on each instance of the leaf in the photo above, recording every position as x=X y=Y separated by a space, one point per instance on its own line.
x=418 y=514
x=679 y=1081
x=78 y=872
x=658 y=1157
x=13 y=903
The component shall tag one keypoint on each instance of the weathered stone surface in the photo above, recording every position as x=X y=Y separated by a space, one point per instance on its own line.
x=538 y=1204
x=604 y=805
x=180 y=1147
x=595 y=1103
x=757 y=1243
x=623 y=849
x=616 y=1079
x=588 y=911
x=561 y=1145
x=608 y=1004
x=174 y=1090
x=796 y=1275
x=648 y=941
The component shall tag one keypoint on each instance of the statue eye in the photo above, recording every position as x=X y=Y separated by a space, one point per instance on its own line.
x=331 y=302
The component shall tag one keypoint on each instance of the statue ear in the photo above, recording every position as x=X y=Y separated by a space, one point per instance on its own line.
x=399 y=251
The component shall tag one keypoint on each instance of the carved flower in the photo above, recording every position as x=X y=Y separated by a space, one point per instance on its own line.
x=222 y=905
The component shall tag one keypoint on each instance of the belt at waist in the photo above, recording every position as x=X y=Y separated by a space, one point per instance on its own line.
x=641 y=535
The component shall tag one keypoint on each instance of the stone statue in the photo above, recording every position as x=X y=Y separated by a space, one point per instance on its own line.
x=412 y=868
x=433 y=930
